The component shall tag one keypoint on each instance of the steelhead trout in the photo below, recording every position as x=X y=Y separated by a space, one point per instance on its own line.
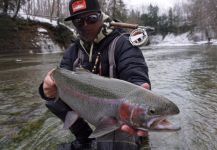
x=108 y=103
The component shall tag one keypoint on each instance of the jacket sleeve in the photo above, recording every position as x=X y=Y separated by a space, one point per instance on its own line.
x=69 y=57
x=130 y=62
x=67 y=63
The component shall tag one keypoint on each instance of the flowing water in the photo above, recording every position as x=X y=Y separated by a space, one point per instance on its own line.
x=186 y=75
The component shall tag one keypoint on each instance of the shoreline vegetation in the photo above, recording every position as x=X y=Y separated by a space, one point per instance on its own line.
x=26 y=36
x=20 y=35
x=196 y=17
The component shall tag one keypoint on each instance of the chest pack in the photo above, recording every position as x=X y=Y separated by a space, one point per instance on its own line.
x=111 y=57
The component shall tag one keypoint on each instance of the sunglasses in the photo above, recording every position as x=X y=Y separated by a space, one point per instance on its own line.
x=90 y=19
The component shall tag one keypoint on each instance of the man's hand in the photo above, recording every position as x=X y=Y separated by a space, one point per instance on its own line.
x=131 y=130
x=49 y=85
x=146 y=86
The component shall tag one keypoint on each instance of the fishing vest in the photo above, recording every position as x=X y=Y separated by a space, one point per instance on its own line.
x=111 y=57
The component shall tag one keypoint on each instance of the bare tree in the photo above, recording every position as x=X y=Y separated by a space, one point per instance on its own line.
x=117 y=9
x=134 y=17
x=52 y=10
x=58 y=11
x=103 y=5
x=5 y=6
x=16 y=9
x=204 y=16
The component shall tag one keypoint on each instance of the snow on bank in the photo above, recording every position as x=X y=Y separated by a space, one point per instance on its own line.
x=42 y=30
x=181 y=40
x=39 y=19
x=212 y=42
x=170 y=40
x=44 y=20
x=43 y=40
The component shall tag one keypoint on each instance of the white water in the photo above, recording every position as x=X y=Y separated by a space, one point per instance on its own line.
x=46 y=44
x=184 y=39
x=43 y=40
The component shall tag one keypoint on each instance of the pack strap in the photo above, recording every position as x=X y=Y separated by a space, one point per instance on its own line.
x=111 y=56
x=79 y=59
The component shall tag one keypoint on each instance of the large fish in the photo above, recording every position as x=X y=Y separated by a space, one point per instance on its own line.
x=108 y=103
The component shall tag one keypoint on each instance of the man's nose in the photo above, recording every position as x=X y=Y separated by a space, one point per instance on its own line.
x=85 y=23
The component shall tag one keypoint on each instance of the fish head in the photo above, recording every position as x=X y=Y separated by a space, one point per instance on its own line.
x=145 y=110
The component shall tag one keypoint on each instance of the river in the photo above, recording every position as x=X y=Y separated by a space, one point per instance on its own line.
x=185 y=74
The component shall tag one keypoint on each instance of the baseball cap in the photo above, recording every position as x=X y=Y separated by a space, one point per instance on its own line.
x=77 y=7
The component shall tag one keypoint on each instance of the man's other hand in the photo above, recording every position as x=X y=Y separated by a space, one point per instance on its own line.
x=131 y=130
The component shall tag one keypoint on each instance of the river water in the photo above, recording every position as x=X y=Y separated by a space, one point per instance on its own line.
x=187 y=75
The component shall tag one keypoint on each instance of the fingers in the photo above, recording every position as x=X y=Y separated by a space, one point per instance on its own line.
x=50 y=74
x=132 y=131
x=49 y=81
x=142 y=133
x=146 y=86
x=129 y=130
x=49 y=92
x=49 y=85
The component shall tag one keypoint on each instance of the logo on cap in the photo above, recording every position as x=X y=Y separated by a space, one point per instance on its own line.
x=79 y=5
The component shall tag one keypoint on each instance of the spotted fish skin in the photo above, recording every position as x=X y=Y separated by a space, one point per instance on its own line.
x=107 y=103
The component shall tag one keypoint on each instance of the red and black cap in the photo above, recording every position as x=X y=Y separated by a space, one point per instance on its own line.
x=77 y=7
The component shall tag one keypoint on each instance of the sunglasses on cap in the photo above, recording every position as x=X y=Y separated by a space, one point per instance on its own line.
x=89 y=19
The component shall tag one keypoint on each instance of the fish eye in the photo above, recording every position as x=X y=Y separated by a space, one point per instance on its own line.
x=152 y=111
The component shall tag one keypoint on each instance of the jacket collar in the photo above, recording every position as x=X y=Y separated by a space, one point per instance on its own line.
x=105 y=31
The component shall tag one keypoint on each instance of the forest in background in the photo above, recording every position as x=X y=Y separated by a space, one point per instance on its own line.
x=198 y=15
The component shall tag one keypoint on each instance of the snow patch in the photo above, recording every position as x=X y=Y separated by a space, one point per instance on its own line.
x=42 y=30
x=181 y=39
x=39 y=19
x=44 y=20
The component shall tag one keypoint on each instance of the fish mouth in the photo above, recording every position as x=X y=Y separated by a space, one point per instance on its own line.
x=160 y=124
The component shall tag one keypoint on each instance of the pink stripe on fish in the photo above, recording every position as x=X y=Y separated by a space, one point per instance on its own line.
x=73 y=92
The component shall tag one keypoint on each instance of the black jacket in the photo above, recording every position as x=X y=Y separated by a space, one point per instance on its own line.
x=130 y=63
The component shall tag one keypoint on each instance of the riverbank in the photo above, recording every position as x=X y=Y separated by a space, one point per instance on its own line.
x=24 y=36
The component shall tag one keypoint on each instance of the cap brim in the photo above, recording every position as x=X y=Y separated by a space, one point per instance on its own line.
x=83 y=12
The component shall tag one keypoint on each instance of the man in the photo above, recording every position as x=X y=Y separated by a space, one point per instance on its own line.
x=91 y=51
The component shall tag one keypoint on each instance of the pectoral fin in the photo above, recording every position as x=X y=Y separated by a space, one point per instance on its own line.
x=105 y=126
x=70 y=119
